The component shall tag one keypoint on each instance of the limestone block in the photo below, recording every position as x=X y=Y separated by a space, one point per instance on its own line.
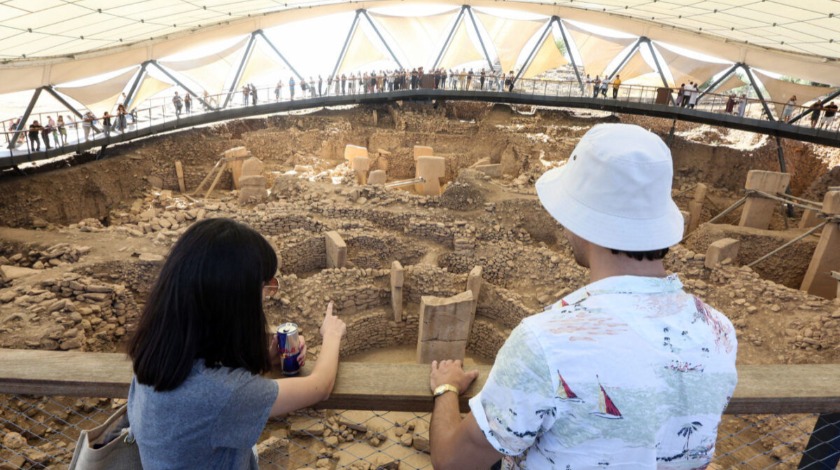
x=236 y=152
x=252 y=167
x=397 y=281
x=695 y=207
x=377 y=177
x=685 y=216
x=444 y=327
x=493 y=171
x=431 y=169
x=15 y=272
x=422 y=151
x=360 y=166
x=474 y=282
x=809 y=219
x=336 y=250
x=758 y=211
x=252 y=189
x=725 y=248
x=826 y=257
x=234 y=158
x=353 y=151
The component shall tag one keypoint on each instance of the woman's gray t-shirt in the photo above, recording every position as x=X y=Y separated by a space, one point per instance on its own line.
x=211 y=421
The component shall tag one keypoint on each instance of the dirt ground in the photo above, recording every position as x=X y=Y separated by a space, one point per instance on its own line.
x=85 y=241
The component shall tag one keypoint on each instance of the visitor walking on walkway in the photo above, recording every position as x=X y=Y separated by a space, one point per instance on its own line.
x=34 y=142
x=178 y=103
x=188 y=102
x=62 y=130
x=198 y=398
x=815 y=110
x=87 y=124
x=615 y=84
x=828 y=119
x=45 y=134
x=787 y=112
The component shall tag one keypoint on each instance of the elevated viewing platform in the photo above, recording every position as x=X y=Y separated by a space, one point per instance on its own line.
x=160 y=117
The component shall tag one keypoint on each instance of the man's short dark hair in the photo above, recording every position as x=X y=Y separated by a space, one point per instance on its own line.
x=206 y=305
x=652 y=255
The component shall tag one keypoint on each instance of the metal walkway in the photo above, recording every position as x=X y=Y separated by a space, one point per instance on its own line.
x=153 y=126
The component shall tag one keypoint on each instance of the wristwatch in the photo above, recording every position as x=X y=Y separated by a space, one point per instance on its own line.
x=441 y=389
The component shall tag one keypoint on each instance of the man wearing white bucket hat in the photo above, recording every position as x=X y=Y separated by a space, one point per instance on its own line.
x=627 y=372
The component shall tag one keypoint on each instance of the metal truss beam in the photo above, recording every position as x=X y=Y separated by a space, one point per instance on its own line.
x=245 y=55
x=531 y=54
x=478 y=35
x=625 y=60
x=717 y=82
x=658 y=67
x=141 y=75
x=346 y=45
x=277 y=51
x=754 y=84
x=22 y=123
x=381 y=38
x=569 y=51
x=200 y=98
x=449 y=37
x=807 y=111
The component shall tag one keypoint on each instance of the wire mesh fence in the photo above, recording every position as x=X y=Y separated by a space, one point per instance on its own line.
x=40 y=433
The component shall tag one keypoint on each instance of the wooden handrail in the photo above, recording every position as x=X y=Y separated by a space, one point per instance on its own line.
x=762 y=389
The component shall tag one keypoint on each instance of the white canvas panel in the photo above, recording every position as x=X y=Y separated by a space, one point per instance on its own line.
x=548 y=57
x=150 y=87
x=102 y=96
x=264 y=66
x=685 y=69
x=509 y=36
x=227 y=55
x=418 y=38
x=461 y=50
x=361 y=51
x=635 y=67
x=596 y=51
x=781 y=90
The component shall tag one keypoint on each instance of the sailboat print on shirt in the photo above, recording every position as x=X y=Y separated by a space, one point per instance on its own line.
x=564 y=392
x=606 y=407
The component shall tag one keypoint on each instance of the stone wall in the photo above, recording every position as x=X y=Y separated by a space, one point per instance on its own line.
x=501 y=306
x=377 y=329
x=486 y=338
x=305 y=255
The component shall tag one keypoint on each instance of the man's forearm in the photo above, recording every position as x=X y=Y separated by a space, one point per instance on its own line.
x=445 y=421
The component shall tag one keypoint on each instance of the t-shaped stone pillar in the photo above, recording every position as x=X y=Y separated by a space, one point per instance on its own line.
x=336 y=250
x=695 y=207
x=720 y=250
x=422 y=151
x=758 y=211
x=826 y=259
x=444 y=327
x=377 y=177
x=353 y=151
x=431 y=169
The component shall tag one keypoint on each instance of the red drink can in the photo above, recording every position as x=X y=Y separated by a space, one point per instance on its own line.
x=289 y=344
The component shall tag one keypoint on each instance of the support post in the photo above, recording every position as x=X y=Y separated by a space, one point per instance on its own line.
x=137 y=81
x=530 y=57
x=818 y=280
x=381 y=38
x=248 y=49
x=659 y=69
x=449 y=37
x=22 y=124
x=478 y=34
x=823 y=451
x=277 y=51
x=49 y=89
x=758 y=92
x=568 y=51
x=343 y=52
x=717 y=82
x=200 y=98
x=625 y=60
x=695 y=207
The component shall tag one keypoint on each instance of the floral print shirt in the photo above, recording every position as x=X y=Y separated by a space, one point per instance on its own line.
x=626 y=373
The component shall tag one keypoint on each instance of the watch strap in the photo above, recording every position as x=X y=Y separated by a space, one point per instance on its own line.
x=441 y=389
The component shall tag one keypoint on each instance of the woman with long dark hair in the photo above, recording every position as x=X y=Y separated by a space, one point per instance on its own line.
x=197 y=399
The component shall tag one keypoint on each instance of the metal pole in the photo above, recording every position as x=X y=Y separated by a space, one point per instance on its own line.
x=178 y=82
x=341 y=55
x=659 y=68
x=810 y=231
x=22 y=123
x=624 y=60
x=385 y=43
x=449 y=37
x=137 y=81
x=49 y=89
x=758 y=92
x=248 y=48
x=807 y=112
x=530 y=57
x=478 y=34
x=277 y=51
x=568 y=51
x=717 y=82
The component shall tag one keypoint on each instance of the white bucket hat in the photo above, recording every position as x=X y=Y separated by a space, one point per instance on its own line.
x=615 y=190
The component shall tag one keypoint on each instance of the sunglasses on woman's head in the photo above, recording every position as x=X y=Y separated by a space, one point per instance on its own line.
x=271 y=286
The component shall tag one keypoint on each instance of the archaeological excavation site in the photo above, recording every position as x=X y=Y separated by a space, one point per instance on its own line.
x=420 y=221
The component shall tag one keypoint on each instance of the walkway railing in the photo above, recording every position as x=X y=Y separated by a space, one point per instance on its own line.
x=781 y=416
x=161 y=114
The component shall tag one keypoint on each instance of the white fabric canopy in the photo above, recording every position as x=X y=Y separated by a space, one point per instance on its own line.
x=685 y=69
x=211 y=72
x=149 y=87
x=596 y=51
x=548 y=57
x=733 y=81
x=102 y=96
x=418 y=38
x=461 y=50
x=781 y=91
x=361 y=51
x=509 y=36
x=264 y=66
x=635 y=67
